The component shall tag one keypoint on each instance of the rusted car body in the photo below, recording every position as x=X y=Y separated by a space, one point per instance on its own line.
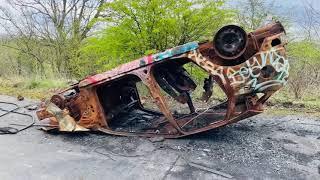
x=248 y=67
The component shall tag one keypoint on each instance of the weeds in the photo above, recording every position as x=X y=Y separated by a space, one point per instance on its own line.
x=31 y=88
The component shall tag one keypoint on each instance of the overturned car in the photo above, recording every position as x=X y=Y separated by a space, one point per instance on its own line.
x=157 y=96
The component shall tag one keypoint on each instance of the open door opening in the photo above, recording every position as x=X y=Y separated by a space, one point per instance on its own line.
x=194 y=98
x=123 y=101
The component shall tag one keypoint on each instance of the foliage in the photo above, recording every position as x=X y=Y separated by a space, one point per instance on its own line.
x=48 y=34
x=137 y=28
x=306 y=51
x=304 y=70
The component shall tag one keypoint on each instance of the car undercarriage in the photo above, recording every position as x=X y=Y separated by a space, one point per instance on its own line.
x=157 y=95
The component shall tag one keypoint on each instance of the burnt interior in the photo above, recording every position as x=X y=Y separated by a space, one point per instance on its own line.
x=124 y=102
x=178 y=83
x=122 y=106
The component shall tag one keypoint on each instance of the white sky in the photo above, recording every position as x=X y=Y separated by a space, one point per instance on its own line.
x=294 y=9
x=291 y=8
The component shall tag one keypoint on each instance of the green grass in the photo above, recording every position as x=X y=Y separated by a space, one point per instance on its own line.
x=283 y=102
x=275 y=111
x=31 y=88
x=310 y=100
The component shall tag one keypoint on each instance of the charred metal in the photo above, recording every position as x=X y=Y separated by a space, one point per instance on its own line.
x=247 y=67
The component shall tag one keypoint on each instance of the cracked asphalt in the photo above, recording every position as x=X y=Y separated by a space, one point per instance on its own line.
x=261 y=147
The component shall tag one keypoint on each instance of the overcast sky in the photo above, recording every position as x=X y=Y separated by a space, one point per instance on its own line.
x=294 y=9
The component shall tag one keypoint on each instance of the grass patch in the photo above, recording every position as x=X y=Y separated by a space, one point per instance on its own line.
x=275 y=111
x=45 y=84
x=310 y=101
x=31 y=88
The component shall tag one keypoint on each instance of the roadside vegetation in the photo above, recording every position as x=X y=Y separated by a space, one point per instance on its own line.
x=31 y=88
x=46 y=45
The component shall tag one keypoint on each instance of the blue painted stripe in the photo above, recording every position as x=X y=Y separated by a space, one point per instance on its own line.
x=176 y=51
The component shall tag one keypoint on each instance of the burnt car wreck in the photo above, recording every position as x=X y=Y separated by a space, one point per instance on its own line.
x=247 y=67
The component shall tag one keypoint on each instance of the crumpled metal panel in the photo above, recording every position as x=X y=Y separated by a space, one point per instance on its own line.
x=65 y=121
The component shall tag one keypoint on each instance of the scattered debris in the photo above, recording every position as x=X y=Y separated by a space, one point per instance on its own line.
x=104 y=154
x=32 y=108
x=8 y=130
x=206 y=150
x=244 y=67
x=171 y=167
x=20 y=98
x=156 y=139
x=287 y=104
x=204 y=168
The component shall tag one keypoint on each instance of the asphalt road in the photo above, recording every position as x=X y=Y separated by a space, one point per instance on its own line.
x=262 y=147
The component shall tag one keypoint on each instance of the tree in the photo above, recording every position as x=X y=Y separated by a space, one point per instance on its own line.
x=304 y=54
x=311 y=23
x=304 y=70
x=253 y=13
x=58 y=27
x=140 y=27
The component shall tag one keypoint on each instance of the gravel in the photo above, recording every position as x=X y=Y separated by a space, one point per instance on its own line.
x=261 y=147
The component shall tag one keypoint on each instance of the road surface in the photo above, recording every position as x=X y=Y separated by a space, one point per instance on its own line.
x=261 y=147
